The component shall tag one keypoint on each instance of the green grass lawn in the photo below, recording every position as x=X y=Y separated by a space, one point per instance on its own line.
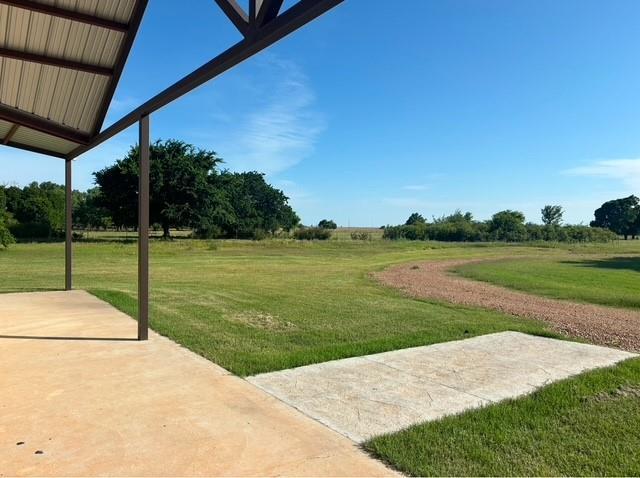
x=587 y=425
x=612 y=280
x=261 y=306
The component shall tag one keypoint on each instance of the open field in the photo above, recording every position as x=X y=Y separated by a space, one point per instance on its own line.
x=261 y=306
x=611 y=280
x=583 y=426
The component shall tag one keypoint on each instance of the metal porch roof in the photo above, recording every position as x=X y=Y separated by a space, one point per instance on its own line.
x=60 y=62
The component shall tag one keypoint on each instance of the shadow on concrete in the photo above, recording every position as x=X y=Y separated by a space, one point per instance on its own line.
x=36 y=337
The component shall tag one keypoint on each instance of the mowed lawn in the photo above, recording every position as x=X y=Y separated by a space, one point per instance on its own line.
x=612 y=280
x=260 y=306
x=584 y=426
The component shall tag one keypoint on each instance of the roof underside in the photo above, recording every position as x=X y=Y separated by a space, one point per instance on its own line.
x=60 y=61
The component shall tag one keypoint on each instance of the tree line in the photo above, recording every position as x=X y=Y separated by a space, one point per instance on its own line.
x=507 y=226
x=188 y=189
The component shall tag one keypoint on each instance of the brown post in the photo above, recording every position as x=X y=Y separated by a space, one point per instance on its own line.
x=143 y=231
x=68 y=236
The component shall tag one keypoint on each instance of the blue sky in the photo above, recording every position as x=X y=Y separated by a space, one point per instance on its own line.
x=379 y=108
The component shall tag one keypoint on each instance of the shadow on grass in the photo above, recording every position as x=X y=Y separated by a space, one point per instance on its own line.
x=616 y=263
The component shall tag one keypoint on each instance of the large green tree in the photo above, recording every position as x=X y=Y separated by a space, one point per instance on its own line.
x=187 y=190
x=621 y=216
x=179 y=185
x=243 y=204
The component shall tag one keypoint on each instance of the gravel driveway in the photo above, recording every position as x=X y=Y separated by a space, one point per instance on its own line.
x=598 y=324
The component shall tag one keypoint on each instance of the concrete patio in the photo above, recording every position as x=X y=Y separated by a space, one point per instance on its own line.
x=80 y=396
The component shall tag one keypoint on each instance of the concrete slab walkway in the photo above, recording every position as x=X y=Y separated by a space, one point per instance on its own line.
x=80 y=397
x=362 y=397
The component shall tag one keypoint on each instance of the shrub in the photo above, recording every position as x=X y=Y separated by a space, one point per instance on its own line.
x=34 y=230
x=6 y=237
x=259 y=234
x=311 y=233
x=504 y=226
x=360 y=236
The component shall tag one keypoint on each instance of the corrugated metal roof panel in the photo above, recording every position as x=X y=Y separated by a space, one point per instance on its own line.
x=118 y=10
x=62 y=95
x=31 y=137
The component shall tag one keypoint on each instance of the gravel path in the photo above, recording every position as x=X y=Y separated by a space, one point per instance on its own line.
x=599 y=324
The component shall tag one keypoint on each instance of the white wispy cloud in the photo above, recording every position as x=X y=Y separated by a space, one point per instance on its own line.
x=283 y=128
x=415 y=187
x=627 y=171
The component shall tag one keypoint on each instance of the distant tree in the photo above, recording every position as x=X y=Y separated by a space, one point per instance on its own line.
x=415 y=218
x=327 y=224
x=6 y=237
x=552 y=215
x=179 y=183
x=88 y=211
x=508 y=226
x=38 y=210
x=621 y=216
x=457 y=217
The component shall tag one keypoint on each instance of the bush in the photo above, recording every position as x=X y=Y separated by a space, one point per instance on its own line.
x=34 y=230
x=259 y=234
x=311 y=233
x=360 y=236
x=504 y=226
x=6 y=237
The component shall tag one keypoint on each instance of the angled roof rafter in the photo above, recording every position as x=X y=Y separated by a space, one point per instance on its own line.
x=53 y=61
x=236 y=14
x=68 y=14
x=10 y=133
x=136 y=19
x=267 y=11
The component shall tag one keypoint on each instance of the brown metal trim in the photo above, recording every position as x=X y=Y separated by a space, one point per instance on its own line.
x=236 y=14
x=68 y=14
x=68 y=227
x=300 y=14
x=123 y=54
x=268 y=11
x=44 y=125
x=143 y=230
x=35 y=149
x=59 y=62
x=10 y=133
